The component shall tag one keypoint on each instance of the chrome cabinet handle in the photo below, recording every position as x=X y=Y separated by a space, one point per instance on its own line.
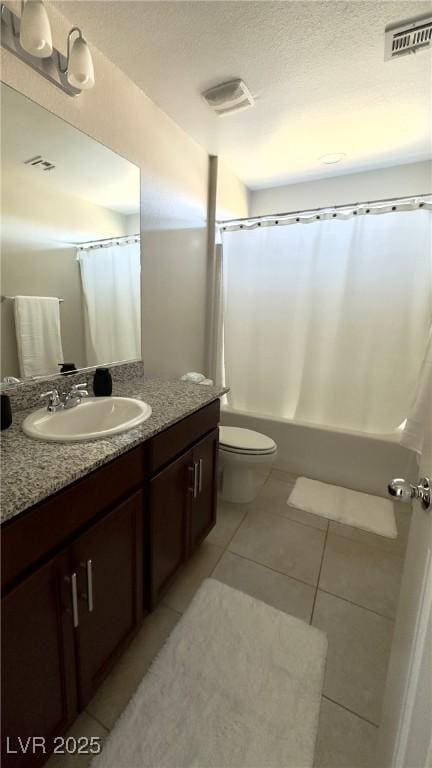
x=72 y=580
x=88 y=567
x=90 y=585
x=194 y=488
x=200 y=475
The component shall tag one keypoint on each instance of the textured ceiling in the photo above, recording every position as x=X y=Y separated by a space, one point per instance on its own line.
x=315 y=68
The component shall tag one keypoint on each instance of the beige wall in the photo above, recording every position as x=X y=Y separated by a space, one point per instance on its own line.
x=232 y=198
x=174 y=300
x=35 y=211
x=174 y=173
x=410 y=179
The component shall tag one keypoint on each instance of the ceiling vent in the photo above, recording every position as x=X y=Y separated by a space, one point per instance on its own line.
x=38 y=160
x=229 y=97
x=408 y=37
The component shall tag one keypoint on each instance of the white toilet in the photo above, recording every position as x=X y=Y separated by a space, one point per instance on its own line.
x=244 y=455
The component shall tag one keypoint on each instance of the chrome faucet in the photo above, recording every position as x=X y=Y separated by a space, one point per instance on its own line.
x=74 y=397
x=66 y=400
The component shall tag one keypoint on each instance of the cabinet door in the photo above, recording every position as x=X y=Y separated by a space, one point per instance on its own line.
x=109 y=565
x=203 y=505
x=169 y=500
x=38 y=663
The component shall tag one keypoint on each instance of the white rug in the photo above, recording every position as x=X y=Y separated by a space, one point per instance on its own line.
x=237 y=685
x=361 y=510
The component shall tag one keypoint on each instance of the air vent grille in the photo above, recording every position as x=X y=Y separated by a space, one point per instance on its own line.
x=408 y=37
x=39 y=161
x=229 y=97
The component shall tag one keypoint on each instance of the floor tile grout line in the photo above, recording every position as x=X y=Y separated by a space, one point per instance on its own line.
x=300 y=522
x=292 y=476
x=288 y=519
x=357 y=605
x=301 y=581
x=183 y=570
x=315 y=588
x=90 y=714
x=319 y=575
x=398 y=555
x=351 y=711
x=217 y=561
x=225 y=547
x=269 y=568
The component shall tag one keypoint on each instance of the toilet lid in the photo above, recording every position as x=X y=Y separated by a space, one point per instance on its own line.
x=237 y=438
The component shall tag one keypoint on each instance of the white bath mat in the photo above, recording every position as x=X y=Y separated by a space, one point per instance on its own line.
x=237 y=685
x=361 y=510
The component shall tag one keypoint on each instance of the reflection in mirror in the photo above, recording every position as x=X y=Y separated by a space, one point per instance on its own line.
x=70 y=246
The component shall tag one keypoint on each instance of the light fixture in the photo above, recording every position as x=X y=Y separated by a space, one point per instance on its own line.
x=35 y=30
x=79 y=63
x=332 y=158
x=29 y=38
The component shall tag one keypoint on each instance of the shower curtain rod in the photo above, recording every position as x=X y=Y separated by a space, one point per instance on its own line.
x=95 y=243
x=269 y=216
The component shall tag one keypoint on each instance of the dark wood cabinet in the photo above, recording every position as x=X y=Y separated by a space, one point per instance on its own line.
x=182 y=508
x=168 y=503
x=202 y=511
x=64 y=626
x=108 y=561
x=38 y=662
x=81 y=568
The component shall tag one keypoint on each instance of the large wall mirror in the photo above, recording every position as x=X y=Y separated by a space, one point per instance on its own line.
x=70 y=246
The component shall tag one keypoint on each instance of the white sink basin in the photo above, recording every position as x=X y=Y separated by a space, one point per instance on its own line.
x=92 y=418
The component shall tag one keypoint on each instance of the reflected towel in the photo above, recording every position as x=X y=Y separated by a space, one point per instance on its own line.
x=37 y=325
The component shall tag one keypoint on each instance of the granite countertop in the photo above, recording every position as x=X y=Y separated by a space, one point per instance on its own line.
x=32 y=470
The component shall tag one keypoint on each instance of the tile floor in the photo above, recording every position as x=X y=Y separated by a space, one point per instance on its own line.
x=340 y=579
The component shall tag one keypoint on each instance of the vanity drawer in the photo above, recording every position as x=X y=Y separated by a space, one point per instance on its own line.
x=31 y=536
x=176 y=439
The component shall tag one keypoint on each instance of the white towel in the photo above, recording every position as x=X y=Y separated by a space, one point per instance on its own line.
x=197 y=378
x=37 y=325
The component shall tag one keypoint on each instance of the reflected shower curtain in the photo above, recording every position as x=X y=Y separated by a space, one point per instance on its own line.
x=111 y=281
x=327 y=322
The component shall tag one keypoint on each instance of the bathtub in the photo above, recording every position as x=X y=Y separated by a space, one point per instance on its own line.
x=364 y=462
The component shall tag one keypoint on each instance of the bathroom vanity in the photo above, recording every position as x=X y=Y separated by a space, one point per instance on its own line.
x=82 y=567
x=93 y=531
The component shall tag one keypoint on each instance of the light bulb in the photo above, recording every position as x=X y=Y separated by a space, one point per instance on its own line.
x=80 y=72
x=35 y=30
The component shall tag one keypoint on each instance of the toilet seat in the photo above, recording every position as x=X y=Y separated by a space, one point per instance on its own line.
x=245 y=441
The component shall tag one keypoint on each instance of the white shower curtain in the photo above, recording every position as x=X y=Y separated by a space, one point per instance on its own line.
x=111 y=281
x=419 y=420
x=327 y=322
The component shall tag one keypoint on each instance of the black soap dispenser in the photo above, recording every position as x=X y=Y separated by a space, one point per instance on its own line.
x=6 y=412
x=102 y=382
x=67 y=368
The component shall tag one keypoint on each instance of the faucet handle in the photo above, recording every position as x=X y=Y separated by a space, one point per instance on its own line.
x=52 y=394
x=78 y=391
x=54 y=402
